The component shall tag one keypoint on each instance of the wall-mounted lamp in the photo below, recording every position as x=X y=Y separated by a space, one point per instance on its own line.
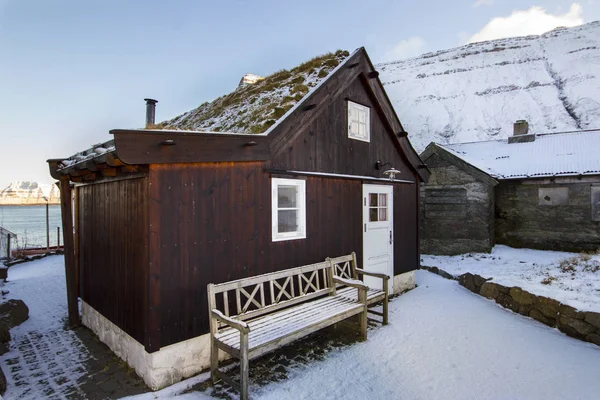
x=390 y=173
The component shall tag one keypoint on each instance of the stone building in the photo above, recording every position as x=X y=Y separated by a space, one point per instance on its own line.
x=537 y=191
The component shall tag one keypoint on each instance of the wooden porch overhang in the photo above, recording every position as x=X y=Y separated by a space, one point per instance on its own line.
x=132 y=150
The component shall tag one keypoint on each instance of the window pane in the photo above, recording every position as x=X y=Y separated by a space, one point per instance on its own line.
x=361 y=130
x=383 y=200
x=287 y=221
x=373 y=214
x=362 y=116
x=373 y=199
x=354 y=128
x=287 y=196
x=383 y=214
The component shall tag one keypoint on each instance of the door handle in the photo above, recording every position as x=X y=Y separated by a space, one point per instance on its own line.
x=390 y=237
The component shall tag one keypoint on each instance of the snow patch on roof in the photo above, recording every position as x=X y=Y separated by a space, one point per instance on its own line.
x=255 y=108
x=556 y=154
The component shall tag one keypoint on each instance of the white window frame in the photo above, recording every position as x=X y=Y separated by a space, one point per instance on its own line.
x=360 y=109
x=300 y=233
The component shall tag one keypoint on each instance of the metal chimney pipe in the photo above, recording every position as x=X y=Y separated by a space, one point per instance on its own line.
x=150 y=112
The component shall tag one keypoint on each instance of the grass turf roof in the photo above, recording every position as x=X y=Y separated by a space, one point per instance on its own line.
x=254 y=108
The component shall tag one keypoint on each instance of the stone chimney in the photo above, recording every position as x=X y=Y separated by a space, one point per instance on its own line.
x=521 y=127
x=150 y=112
x=521 y=133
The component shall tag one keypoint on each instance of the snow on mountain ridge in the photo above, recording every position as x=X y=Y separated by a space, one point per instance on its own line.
x=28 y=193
x=476 y=92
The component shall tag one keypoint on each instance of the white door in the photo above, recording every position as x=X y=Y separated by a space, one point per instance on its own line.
x=378 y=235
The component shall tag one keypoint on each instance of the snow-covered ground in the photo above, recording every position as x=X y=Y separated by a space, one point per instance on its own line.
x=443 y=342
x=570 y=278
x=45 y=358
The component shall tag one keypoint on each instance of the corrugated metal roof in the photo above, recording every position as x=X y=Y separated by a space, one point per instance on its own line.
x=552 y=154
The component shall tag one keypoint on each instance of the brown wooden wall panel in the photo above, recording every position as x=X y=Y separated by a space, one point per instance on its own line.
x=406 y=228
x=324 y=146
x=113 y=252
x=215 y=224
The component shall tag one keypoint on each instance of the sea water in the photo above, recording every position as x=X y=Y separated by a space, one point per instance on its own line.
x=29 y=224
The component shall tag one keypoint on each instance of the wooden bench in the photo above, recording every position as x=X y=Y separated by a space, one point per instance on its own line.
x=346 y=267
x=250 y=317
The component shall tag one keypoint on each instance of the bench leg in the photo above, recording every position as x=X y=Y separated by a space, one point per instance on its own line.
x=214 y=359
x=385 y=302
x=363 y=324
x=244 y=366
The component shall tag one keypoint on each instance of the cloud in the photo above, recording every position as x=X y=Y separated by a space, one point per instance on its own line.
x=483 y=3
x=406 y=48
x=534 y=21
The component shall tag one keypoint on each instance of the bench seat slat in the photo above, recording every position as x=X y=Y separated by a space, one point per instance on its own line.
x=261 y=335
x=373 y=295
x=280 y=325
x=286 y=313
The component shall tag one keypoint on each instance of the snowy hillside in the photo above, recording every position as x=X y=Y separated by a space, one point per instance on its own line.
x=476 y=92
x=28 y=193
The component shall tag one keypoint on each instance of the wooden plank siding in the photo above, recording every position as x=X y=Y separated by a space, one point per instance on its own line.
x=216 y=226
x=112 y=226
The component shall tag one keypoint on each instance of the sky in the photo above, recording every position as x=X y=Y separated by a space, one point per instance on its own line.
x=71 y=70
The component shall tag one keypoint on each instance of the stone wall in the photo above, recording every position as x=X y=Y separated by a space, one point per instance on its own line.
x=581 y=325
x=457 y=209
x=546 y=215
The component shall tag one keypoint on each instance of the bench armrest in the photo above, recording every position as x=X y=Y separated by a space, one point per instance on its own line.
x=350 y=282
x=375 y=274
x=234 y=323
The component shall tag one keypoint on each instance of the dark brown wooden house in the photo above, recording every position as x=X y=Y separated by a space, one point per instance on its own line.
x=324 y=168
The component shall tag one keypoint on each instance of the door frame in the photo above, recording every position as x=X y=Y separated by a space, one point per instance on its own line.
x=365 y=212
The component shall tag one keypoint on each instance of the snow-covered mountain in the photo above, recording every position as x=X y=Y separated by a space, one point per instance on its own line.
x=28 y=193
x=476 y=92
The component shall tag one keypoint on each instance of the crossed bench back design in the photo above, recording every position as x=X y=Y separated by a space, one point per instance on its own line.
x=249 y=298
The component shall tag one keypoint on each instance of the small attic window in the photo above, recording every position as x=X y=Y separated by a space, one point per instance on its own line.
x=359 y=121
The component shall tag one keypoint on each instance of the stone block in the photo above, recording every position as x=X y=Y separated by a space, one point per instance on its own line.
x=593 y=318
x=2 y=382
x=507 y=302
x=522 y=297
x=570 y=312
x=13 y=312
x=593 y=338
x=538 y=316
x=525 y=310
x=491 y=290
x=575 y=327
x=466 y=280
x=547 y=306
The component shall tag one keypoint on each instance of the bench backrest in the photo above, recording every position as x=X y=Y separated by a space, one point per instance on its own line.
x=345 y=266
x=250 y=297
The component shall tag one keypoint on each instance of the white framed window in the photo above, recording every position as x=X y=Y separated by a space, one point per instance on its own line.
x=288 y=209
x=359 y=122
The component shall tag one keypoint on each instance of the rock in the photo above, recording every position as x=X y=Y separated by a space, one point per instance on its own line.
x=547 y=306
x=570 y=312
x=538 y=316
x=568 y=325
x=466 y=280
x=507 y=302
x=522 y=297
x=13 y=312
x=491 y=290
x=593 y=318
x=4 y=333
x=446 y=275
x=525 y=310
x=593 y=338
x=2 y=382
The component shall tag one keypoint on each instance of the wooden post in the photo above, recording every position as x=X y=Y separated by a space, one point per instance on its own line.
x=8 y=247
x=58 y=237
x=47 y=227
x=66 y=209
